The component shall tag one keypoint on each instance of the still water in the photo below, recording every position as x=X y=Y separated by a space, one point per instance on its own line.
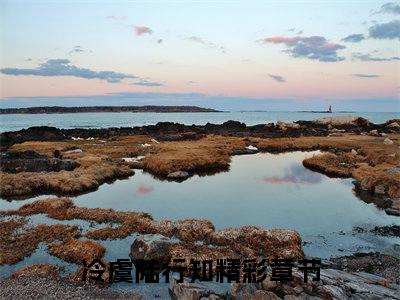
x=102 y=120
x=266 y=190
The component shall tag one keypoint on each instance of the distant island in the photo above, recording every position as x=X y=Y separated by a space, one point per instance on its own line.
x=92 y=109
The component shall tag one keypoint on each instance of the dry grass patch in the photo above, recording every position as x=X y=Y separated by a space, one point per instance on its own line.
x=243 y=241
x=371 y=166
x=75 y=251
x=90 y=175
x=211 y=152
x=17 y=242
x=38 y=270
x=125 y=146
x=332 y=164
x=378 y=177
x=100 y=162
x=345 y=143
x=65 y=209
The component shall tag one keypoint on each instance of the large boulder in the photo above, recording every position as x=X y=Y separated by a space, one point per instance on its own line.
x=152 y=246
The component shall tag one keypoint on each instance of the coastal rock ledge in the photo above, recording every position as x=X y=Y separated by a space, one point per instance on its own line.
x=242 y=242
x=334 y=284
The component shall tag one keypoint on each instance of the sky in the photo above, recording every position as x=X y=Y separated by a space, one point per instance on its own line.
x=232 y=55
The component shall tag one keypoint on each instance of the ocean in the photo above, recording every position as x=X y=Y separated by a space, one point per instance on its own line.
x=14 y=122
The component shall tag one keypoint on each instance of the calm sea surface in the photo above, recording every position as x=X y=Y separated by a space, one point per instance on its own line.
x=102 y=120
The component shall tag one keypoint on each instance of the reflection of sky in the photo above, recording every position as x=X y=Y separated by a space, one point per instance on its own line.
x=305 y=200
x=295 y=174
x=143 y=189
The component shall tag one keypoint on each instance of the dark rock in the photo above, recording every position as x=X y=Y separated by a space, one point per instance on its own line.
x=174 y=131
x=185 y=136
x=374 y=263
x=376 y=195
x=393 y=230
x=392 y=211
x=57 y=153
x=30 y=161
x=37 y=133
x=362 y=122
x=29 y=154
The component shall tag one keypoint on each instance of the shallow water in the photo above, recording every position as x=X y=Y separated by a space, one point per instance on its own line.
x=266 y=190
x=103 y=120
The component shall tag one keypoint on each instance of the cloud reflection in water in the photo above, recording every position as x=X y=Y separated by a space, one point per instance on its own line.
x=295 y=174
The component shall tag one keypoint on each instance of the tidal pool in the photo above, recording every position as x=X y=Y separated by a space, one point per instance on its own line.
x=266 y=190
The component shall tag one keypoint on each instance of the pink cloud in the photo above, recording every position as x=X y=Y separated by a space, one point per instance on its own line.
x=312 y=47
x=281 y=180
x=142 y=30
x=142 y=189
x=280 y=40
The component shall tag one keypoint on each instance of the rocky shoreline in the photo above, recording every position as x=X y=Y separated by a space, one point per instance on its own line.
x=44 y=281
x=68 y=162
x=359 y=276
x=43 y=160
x=168 y=131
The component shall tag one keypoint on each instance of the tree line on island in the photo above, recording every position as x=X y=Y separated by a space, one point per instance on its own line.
x=87 y=109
